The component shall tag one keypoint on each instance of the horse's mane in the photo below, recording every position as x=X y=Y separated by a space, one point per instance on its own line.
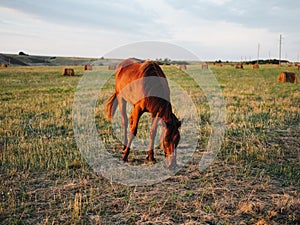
x=147 y=68
x=150 y=68
x=128 y=62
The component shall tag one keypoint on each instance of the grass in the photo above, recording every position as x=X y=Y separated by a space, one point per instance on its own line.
x=253 y=180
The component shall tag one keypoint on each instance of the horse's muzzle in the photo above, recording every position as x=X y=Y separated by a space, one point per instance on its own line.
x=171 y=162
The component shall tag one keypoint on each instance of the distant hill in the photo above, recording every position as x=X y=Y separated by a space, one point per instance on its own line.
x=34 y=60
x=261 y=61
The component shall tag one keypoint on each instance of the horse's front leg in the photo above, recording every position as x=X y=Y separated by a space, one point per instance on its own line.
x=153 y=130
x=134 y=120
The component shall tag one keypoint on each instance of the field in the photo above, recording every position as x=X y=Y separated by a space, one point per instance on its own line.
x=255 y=178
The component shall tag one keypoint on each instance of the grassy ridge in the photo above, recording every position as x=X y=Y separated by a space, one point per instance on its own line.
x=254 y=180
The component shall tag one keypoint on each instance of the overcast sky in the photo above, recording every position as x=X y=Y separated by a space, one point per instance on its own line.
x=211 y=29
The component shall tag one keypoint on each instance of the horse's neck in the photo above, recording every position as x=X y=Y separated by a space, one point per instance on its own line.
x=166 y=114
x=160 y=108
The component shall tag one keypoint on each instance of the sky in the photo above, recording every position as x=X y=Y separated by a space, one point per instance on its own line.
x=211 y=29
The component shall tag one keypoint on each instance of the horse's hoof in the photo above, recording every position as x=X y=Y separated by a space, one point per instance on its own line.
x=150 y=161
x=125 y=159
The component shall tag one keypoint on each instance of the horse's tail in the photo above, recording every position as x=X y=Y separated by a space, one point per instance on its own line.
x=111 y=106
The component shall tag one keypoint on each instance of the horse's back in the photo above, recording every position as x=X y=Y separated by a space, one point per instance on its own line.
x=133 y=68
x=136 y=78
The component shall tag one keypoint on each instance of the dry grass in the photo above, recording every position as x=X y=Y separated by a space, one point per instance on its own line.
x=254 y=180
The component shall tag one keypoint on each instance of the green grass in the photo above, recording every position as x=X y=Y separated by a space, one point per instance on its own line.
x=262 y=113
x=253 y=180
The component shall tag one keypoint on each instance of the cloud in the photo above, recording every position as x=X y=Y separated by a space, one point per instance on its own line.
x=110 y=15
x=277 y=16
x=219 y=2
x=134 y=16
x=217 y=37
x=209 y=27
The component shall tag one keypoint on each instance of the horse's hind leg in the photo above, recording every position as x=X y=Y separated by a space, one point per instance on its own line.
x=134 y=120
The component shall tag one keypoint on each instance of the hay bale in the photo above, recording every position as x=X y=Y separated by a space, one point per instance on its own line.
x=111 y=67
x=4 y=65
x=255 y=66
x=182 y=67
x=239 y=66
x=68 y=72
x=298 y=67
x=88 y=67
x=287 y=77
x=218 y=64
x=204 y=66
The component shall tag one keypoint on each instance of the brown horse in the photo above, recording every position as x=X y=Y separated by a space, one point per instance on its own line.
x=144 y=85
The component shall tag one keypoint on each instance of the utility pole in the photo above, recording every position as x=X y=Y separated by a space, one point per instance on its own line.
x=258 y=52
x=280 y=46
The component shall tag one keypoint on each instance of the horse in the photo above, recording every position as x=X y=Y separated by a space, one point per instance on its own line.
x=144 y=85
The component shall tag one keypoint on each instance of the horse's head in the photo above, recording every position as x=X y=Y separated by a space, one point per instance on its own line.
x=170 y=140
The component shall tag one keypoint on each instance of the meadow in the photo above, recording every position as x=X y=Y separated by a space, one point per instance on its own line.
x=253 y=180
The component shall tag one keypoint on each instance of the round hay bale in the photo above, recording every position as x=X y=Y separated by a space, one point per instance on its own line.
x=68 y=72
x=287 y=77
x=218 y=64
x=239 y=66
x=255 y=66
x=111 y=67
x=182 y=67
x=88 y=67
x=4 y=65
x=204 y=66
